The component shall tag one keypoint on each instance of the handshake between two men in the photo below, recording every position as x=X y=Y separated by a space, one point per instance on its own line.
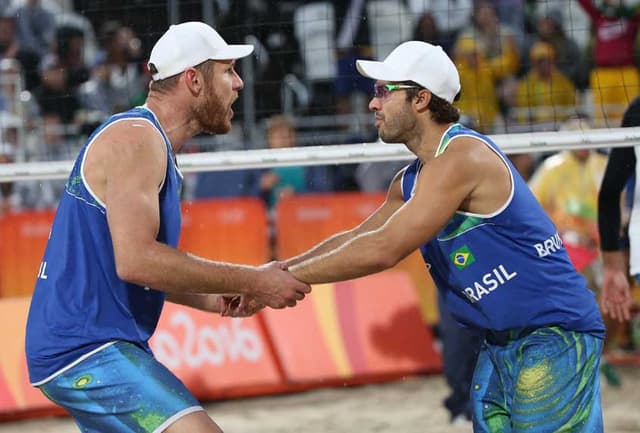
x=274 y=286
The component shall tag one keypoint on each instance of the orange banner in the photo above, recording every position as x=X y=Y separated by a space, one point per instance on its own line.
x=214 y=356
x=23 y=238
x=361 y=330
x=354 y=329
x=304 y=220
x=16 y=393
x=232 y=230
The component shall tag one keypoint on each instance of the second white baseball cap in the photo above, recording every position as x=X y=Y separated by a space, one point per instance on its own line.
x=187 y=45
x=420 y=62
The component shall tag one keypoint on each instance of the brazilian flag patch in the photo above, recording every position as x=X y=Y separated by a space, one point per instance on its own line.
x=462 y=257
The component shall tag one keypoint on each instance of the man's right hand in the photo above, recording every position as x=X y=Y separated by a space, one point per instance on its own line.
x=277 y=288
x=616 y=295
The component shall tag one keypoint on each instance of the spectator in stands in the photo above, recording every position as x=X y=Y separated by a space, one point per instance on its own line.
x=545 y=96
x=12 y=135
x=500 y=47
x=117 y=81
x=10 y=125
x=426 y=29
x=10 y=49
x=352 y=42
x=123 y=53
x=279 y=182
x=51 y=146
x=277 y=53
x=497 y=39
x=62 y=72
x=7 y=194
x=511 y=14
x=36 y=27
x=614 y=80
x=549 y=28
x=479 y=100
x=11 y=85
x=440 y=21
x=8 y=34
x=566 y=185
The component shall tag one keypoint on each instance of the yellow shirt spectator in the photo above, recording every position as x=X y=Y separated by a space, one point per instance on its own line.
x=478 y=98
x=545 y=94
x=566 y=184
x=498 y=40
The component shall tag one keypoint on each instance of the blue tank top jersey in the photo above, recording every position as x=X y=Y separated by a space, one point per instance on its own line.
x=79 y=304
x=509 y=269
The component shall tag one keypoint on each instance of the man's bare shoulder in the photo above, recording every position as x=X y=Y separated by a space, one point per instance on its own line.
x=117 y=154
x=485 y=172
x=470 y=148
x=461 y=153
x=131 y=131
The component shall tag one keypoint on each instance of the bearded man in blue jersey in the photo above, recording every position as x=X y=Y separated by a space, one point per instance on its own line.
x=496 y=258
x=111 y=259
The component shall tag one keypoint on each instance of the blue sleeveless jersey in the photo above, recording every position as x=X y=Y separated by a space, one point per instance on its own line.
x=79 y=304
x=509 y=269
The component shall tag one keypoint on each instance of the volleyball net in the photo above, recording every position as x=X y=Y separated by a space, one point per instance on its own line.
x=539 y=142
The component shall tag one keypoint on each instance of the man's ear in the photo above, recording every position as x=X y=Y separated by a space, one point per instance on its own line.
x=194 y=81
x=422 y=99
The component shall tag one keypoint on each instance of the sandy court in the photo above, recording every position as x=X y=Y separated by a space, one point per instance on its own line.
x=407 y=406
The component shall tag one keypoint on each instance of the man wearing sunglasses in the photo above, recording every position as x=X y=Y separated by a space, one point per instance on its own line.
x=497 y=260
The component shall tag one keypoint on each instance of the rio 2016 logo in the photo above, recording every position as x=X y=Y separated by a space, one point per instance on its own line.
x=205 y=344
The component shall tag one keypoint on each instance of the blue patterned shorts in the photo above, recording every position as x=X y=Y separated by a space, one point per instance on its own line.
x=121 y=388
x=540 y=380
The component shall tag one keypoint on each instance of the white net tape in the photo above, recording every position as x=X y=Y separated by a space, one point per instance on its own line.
x=345 y=153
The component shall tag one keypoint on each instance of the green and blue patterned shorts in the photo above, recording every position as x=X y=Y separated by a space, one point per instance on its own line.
x=121 y=388
x=538 y=380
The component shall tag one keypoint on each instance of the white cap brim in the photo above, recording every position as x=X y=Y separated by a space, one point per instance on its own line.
x=379 y=71
x=232 y=52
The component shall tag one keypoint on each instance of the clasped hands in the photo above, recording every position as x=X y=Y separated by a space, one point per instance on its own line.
x=274 y=287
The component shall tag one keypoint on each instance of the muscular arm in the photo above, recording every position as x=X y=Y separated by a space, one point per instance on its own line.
x=444 y=185
x=126 y=167
x=392 y=203
x=204 y=302
x=134 y=172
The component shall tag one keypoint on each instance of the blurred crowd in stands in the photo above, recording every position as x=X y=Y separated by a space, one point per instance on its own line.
x=525 y=65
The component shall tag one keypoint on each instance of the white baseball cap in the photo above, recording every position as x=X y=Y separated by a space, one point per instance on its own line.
x=420 y=62
x=187 y=45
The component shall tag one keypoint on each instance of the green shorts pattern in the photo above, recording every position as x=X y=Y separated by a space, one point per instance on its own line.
x=538 y=380
x=122 y=388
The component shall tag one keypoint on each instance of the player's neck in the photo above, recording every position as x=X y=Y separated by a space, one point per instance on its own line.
x=172 y=118
x=425 y=143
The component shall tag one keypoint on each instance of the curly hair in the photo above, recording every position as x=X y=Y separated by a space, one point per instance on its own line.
x=441 y=110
